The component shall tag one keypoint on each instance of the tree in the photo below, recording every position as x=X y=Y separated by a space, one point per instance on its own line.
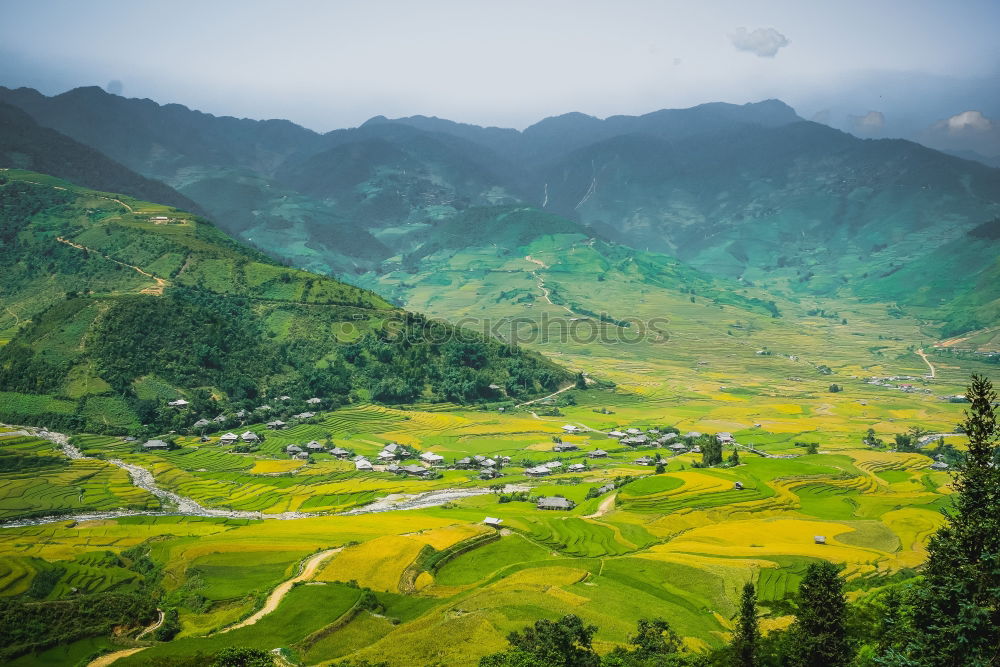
x=581 y=381
x=957 y=606
x=562 y=643
x=711 y=452
x=746 y=640
x=656 y=645
x=819 y=634
x=871 y=440
x=239 y=656
x=836 y=388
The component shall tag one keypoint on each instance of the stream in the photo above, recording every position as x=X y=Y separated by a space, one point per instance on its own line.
x=178 y=505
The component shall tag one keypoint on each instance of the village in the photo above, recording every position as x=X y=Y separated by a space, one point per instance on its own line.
x=570 y=450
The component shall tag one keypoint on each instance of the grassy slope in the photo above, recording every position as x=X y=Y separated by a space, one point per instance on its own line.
x=193 y=283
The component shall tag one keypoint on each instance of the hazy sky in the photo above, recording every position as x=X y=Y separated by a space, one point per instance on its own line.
x=334 y=64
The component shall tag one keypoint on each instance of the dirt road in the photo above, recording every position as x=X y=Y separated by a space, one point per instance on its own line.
x=160 y=282
x=279 y=593
x=927 y=361
x=606 y=506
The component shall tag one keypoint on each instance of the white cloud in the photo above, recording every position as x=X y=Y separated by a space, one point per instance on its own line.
x=764 y=42
x=968 y=121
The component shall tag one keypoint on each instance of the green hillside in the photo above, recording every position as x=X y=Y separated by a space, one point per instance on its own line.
x=113 y=306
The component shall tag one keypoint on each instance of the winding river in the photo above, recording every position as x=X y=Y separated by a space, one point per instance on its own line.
x=178 y=505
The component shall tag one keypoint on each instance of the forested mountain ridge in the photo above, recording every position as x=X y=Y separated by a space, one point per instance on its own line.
x=24 y=144
x=750 y=192
x=114 y=306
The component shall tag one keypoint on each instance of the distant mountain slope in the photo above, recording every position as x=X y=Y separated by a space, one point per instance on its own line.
x=26 y=145
x=115 y=306
x=740 y=191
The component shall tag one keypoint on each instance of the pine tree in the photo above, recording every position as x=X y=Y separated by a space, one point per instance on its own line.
x=819 y=633
x=746 y=639
x=957 y=607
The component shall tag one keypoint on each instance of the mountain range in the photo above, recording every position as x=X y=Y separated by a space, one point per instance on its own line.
x=751 y=193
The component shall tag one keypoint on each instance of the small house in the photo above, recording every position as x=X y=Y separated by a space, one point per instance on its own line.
x=576 y=467
x=179 y=403
x=666 y=437
x=314 y=446
x=263 y=408
x=598 y=454
x=201 y=423
x=692 y=434
x=249 y=436
x=819 y=539
x=725 y=438
x=490 y=473
x=363 y=464
x=738 y=486
x=553 y=465
x=293 y=449
x=633 y=431
x=431 y=458
x=276 y=425
x=645 y=461
x=386 y=455
x=221 y=419
x=537 y=471
x=493 y=521
x=415 y=470
x=465 y=462
x=304 y=415
x=678 y=447
x=939 y=465
x=616 y=434
x=340 y=452
x=229 y=439
x=284 y=398
x=488 y=463
x=555 y=503
x=570 y=428
x=565 y=447
x=155 y=444
x=313 y=401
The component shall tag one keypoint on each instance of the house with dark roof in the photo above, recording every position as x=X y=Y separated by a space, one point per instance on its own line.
x=555 y=503
x=340 y=452
x=415 y=470
x=276 y=425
